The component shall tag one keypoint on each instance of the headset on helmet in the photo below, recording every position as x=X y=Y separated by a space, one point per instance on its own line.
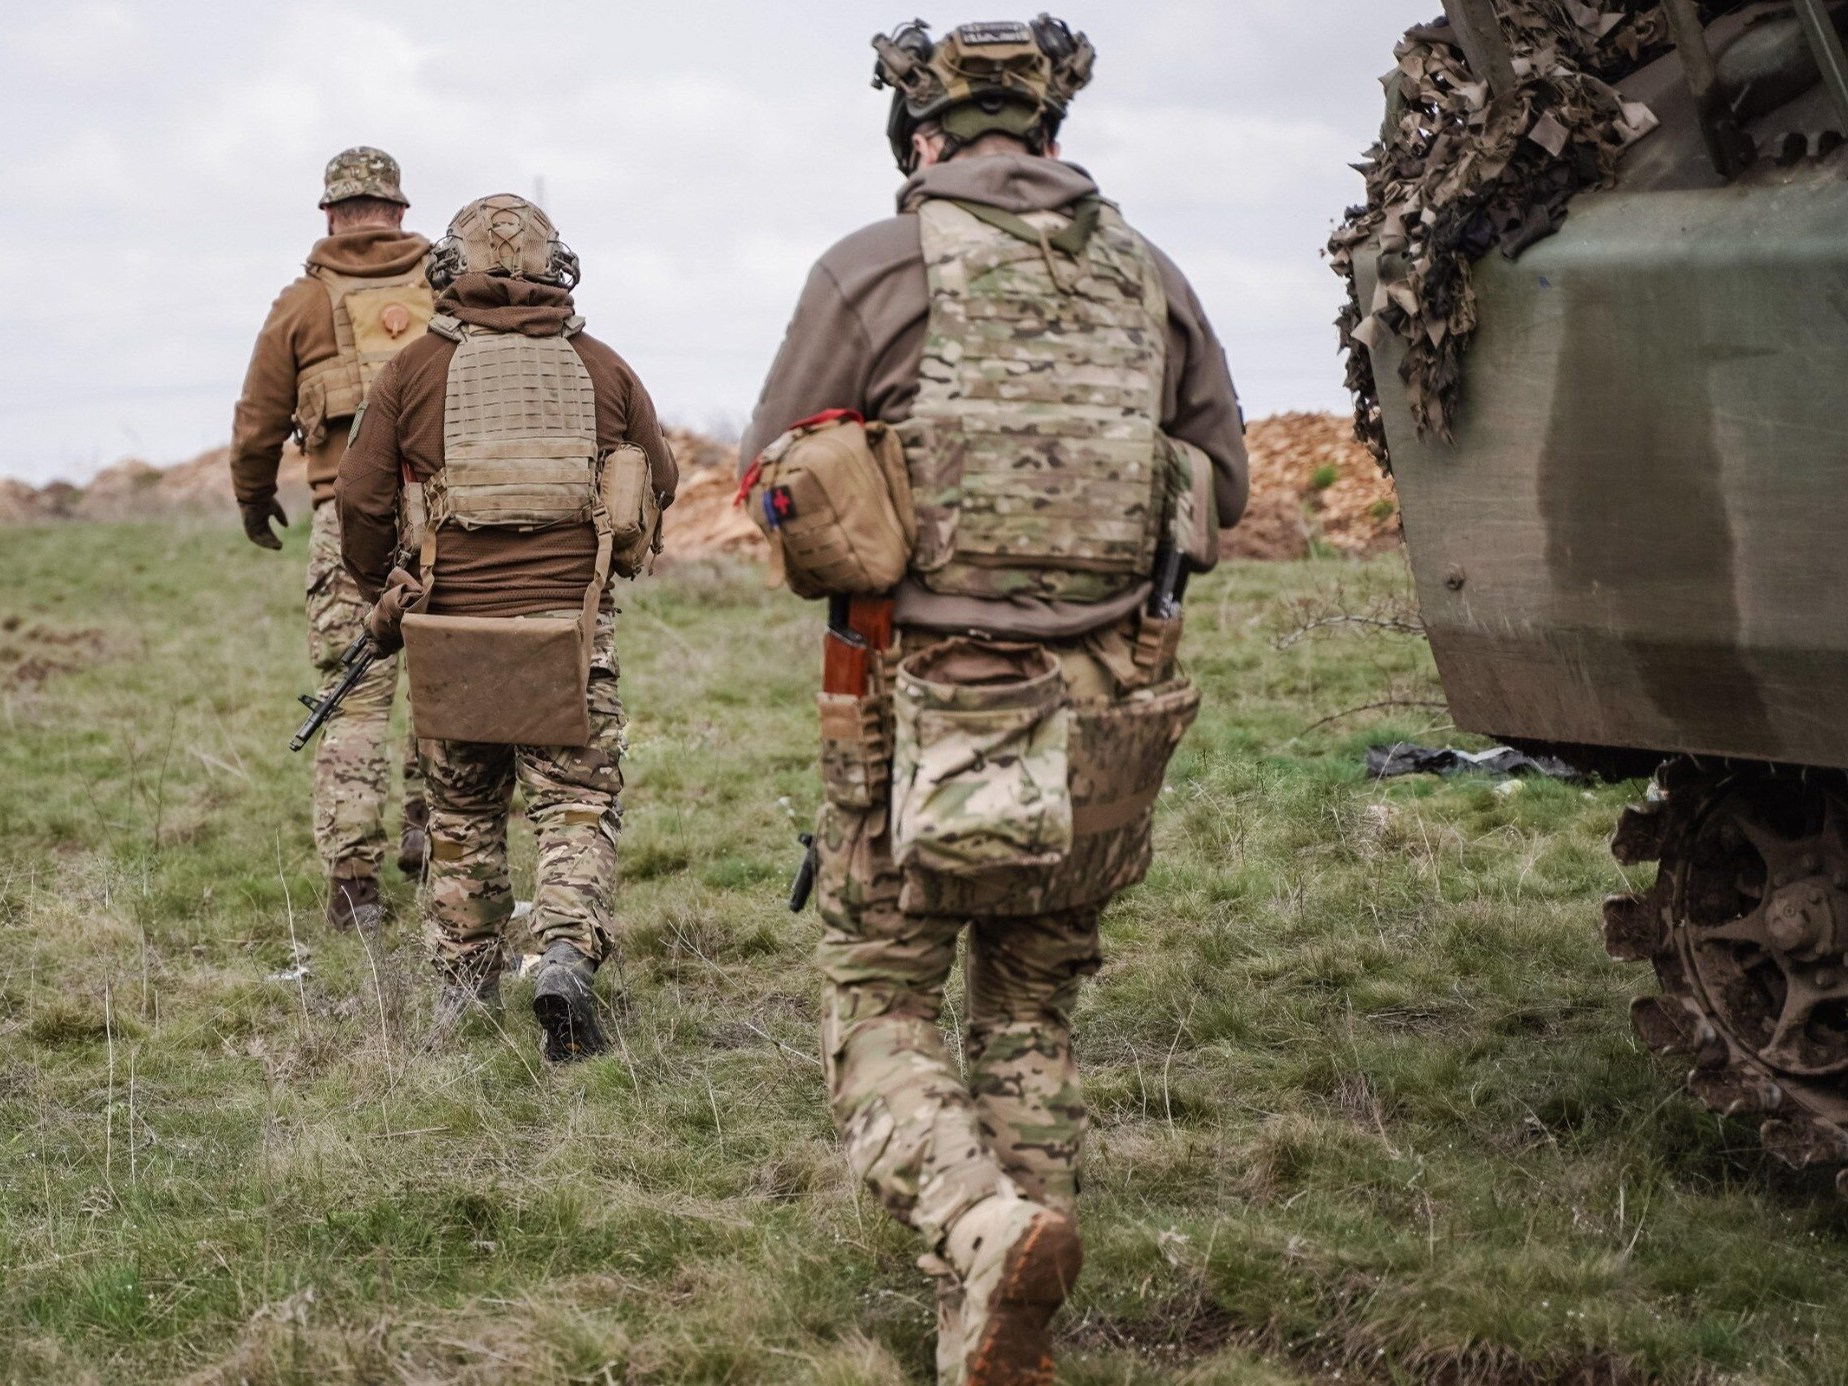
x=502 y=235
x=1002 y=76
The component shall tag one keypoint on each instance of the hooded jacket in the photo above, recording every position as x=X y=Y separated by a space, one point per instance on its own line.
x=482 y=572
x=299 y=333
x=857 y=342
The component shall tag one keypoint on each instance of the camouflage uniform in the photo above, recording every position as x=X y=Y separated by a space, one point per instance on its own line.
x=352 y=763
x=574 y=799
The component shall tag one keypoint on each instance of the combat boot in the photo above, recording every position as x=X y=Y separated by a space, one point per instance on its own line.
x=566 y=1005
x=353 y=903
x=414 y=839
x=1017 y=1260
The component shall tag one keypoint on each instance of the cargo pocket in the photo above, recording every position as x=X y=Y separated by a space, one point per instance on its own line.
x=856 y=750
x=980 y=759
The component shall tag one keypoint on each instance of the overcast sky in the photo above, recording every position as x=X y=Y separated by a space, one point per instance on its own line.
x=163 y=162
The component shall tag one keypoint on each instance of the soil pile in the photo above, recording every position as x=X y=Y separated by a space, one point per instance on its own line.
x=1312 y=487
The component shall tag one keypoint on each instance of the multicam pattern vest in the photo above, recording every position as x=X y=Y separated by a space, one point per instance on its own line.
x=1033 y=447
x=374 y=319
x=519 y=432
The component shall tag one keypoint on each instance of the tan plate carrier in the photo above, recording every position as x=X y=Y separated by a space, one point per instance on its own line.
x=519 y=452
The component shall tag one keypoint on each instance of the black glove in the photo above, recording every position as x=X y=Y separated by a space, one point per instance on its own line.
x=257 y=516
x=384 y=622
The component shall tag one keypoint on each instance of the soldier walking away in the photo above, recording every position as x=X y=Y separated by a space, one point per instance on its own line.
x=995 y=727
x=542 y=465
x=362 y=298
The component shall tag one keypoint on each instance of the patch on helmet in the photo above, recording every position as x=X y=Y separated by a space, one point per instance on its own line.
x=994 y=32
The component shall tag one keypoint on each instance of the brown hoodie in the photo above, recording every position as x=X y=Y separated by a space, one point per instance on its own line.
x=857 y=342
x=298 y=334
x=484 y=572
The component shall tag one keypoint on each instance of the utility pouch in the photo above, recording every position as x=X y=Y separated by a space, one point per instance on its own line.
x=833 y=498
x=626 y=488
x=1193 y=512
x=509 y=681
x=856 y=750
x=980 y=759
x=1119 y=754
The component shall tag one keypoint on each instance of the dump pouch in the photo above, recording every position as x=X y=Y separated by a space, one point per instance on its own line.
x=1119 y=753
x=509 y=681
x=833 y=498
x=980 y=759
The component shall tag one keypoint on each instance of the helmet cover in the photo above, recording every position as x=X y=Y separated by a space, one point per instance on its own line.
x=502 y=235
x=362 y=172
x=996 y=76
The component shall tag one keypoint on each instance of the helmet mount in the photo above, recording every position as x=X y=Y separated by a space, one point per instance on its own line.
x=994 y=77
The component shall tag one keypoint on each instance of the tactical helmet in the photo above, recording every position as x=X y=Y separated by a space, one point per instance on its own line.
x=1000 y=76
x=504 y=235
x=362 y=172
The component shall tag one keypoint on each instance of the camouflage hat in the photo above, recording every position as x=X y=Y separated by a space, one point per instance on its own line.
x=363 y=172
x=999 y=76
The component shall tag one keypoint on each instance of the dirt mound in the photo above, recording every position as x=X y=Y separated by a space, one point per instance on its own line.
x=1312 y=487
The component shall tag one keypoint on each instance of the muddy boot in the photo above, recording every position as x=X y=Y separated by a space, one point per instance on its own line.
x=1018 y=1260
x=566 y=1005
x=456 y=1001
x=353 y=903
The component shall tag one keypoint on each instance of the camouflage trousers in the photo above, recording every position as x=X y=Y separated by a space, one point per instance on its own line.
x=574 y=800
x=352 y=762
x=928 y=1139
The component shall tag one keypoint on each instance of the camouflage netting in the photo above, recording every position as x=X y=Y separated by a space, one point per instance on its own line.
x=1457 y=174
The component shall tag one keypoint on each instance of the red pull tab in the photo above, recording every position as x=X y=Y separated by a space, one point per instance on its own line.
x=828 y=416
x=755 y=470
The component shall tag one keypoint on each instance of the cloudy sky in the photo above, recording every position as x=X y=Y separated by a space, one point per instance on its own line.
x=163 y=163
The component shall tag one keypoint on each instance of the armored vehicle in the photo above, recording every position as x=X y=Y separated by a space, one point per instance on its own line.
x=1607 y=355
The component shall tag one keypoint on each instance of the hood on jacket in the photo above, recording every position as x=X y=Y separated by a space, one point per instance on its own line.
x=373 y=252
x=501 y=304
x=1016 y=183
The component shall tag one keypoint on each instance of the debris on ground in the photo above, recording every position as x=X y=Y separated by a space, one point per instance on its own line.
x=1403 y=758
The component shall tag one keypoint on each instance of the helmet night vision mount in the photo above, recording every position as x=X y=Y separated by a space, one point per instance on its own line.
x=1003 y=76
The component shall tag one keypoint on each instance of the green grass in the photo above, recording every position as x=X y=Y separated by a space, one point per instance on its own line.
x=1367 y=1104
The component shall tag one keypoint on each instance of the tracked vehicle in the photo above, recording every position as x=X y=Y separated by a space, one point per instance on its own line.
x=1631 y=546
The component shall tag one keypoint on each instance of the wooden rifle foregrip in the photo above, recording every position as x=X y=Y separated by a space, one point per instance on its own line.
x=847 y=659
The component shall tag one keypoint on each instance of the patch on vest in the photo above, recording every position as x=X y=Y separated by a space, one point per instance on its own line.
x=779 y=505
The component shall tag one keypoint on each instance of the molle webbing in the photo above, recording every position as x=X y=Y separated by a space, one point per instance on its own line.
x=1033 y=447
x=519 y=435
x=374 y=319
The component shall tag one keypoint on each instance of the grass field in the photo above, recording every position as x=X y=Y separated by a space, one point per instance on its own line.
x=1367 y=1104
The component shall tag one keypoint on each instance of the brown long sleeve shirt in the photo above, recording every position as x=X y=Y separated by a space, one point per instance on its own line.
x=299 y=333
x=485 y=572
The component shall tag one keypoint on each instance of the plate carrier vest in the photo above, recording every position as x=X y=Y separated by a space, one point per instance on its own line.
x=1033 y=447
x=374 y=319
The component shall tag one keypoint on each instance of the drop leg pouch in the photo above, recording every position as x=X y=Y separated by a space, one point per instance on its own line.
x=980 y=766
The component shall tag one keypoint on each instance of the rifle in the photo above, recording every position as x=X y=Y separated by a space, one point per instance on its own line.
x=804 y=884
x=859 y=633
x=356 y=661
